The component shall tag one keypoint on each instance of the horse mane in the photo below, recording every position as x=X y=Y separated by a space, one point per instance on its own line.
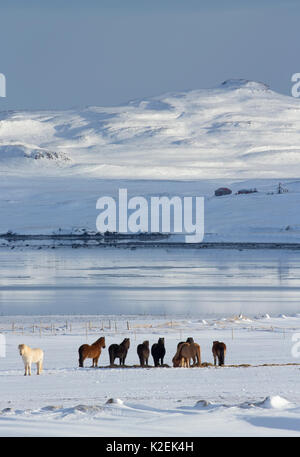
x=100 y=340
x=125 y=342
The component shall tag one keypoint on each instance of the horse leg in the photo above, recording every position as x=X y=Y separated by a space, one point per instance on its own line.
x=29 y=368
x=26 y=369
x=215 y=360
x=39 y=367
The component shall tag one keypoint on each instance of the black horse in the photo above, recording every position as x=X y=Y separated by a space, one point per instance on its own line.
x=119 y=350
x=158 y=352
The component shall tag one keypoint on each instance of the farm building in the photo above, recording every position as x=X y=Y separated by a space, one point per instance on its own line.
x=246 y=191
x=222 y=191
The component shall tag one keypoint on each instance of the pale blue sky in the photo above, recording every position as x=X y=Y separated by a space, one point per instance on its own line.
x=62 y=53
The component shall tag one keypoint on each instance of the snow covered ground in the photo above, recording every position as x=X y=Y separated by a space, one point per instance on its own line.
x=253 y=400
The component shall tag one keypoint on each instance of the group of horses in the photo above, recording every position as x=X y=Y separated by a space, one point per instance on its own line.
x=188 y=353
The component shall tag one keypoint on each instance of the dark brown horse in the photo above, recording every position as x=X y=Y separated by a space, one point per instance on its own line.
x=219 y=351
x=119 y=351
x=143 y=353
x=92 y=351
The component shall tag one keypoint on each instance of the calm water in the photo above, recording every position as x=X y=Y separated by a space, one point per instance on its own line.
x=158 y=281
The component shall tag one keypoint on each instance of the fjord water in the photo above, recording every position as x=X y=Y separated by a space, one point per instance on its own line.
x=183 y=282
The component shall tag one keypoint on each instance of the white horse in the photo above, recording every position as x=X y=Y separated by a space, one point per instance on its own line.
x=30 y=356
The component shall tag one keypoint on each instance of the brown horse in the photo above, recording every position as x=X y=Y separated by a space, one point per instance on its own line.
x=143 y=353
x=219 y=351
x=185 y=352
x=92 y=351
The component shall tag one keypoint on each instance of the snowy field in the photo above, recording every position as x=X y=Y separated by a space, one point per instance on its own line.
x=254 y=400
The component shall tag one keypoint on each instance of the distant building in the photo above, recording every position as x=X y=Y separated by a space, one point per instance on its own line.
x=222 y=191
x=246 y=191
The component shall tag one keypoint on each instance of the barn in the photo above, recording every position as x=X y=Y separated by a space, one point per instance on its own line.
x=222 y=191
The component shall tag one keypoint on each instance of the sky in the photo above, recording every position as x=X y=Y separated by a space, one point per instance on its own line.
x=59 y=54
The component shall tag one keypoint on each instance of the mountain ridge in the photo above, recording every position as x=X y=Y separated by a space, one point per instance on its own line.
x=240 y=128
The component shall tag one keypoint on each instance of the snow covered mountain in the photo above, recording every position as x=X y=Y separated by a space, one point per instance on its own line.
x=239 y=129
x=54 y=165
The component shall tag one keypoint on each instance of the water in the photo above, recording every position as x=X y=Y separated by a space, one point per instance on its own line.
x=149 y=281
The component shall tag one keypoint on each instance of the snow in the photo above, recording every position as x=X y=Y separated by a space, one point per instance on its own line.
x=239 y=129
x=54 y=165
x=55 y=204
x=275 y=402
x=236 y=400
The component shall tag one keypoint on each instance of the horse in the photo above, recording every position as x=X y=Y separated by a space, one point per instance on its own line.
x=186 y=351
x=176 y=361
x=143 y=353
x=158 y=352
x=219 y=351
x=92 y=351
x=119 y=350
x=30 y=356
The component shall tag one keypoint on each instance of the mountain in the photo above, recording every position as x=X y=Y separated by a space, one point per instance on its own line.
x=54 y=165
x=240 y=129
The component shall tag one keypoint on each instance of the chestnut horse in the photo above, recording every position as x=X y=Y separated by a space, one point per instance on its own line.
x=92 y=351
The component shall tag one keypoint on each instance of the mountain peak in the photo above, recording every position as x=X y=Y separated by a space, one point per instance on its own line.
x=244 y=83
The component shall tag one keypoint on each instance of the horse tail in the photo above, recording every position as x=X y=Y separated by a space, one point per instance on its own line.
x=81 y=359
x=111 y=355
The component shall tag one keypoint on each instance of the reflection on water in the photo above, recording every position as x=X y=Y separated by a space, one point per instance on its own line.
x=152 y=281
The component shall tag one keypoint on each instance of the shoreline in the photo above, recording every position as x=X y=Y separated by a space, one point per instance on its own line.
x=99 y=241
